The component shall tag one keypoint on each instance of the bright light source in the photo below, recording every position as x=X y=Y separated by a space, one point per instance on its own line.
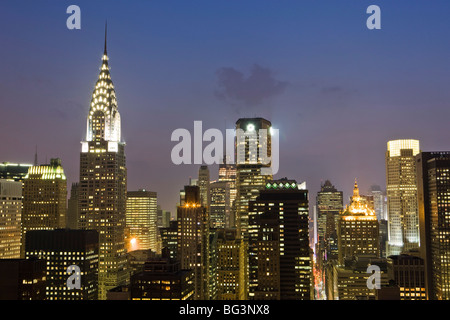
x=250 y=127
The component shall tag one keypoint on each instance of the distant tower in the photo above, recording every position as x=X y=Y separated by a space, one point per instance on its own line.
x=103 y=181
x=203 y=183
x=401 y=189
x=358 y=230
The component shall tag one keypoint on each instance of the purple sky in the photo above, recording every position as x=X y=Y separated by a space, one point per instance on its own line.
x=336 y=90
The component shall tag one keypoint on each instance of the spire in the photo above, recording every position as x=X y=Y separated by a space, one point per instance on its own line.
x=106 y=33
x=356 y=189
x=104 y=118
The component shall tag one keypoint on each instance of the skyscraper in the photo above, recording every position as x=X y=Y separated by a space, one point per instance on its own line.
x=103 y=181
x=193 y=240
x=329 y=203
x=203 y=183
x=433 y=178
x=358 y=231
x=401 y=190
x=249 y=176
x=227 y=174
x=229 y=265
x=10 y=219
x=44 y=198
x=61 y=249
x=279 y=253
x=141 y=218
x=219 y=204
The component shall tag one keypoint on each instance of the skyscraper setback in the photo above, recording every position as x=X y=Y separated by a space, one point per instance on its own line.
x=103 y=181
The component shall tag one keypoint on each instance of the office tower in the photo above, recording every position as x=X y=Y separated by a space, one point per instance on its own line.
x=163 y=219
x=103 y=181
x=13 y=171
x=22 y=279
x=329 y=202
x=378 y=202
x=227 y=174
x=169 y=239
x=141 y=218
x=433 y=179
x=61 y=249
x=229 y=266
x=249 y=176
x=348 y=281
x=219 y=204
x=358 y=230
x=44 y=198
x=409 y=276
x=73 y=208
x=203 y=183
x=193 y=240
x=10 y=219
x=162 y=279
x=280 y=265
x=401 y=190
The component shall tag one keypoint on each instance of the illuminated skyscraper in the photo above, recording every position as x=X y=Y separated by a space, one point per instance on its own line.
x=358 y=230
x=141 y=220
x=227 y=174
x=193 y=240
x=103 y=181
x=329 y=203
x=219 y=208
x=203 y=183
x=44 y=198
x=10 y=219
x=249 y=177
x=433 y=177
x=279 y=253
x=401 y=189
x=62 y=248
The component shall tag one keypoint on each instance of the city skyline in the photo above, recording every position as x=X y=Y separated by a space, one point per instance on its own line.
x=346 y=105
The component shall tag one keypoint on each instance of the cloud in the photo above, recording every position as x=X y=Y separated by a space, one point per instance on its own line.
x=260 y=85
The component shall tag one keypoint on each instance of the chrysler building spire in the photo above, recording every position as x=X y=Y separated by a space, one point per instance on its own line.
x=103 y=121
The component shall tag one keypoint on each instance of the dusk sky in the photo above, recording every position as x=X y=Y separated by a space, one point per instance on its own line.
x=336 y=90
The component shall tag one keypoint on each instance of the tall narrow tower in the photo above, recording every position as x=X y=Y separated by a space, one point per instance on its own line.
x=401 y=190
x=103 y=181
